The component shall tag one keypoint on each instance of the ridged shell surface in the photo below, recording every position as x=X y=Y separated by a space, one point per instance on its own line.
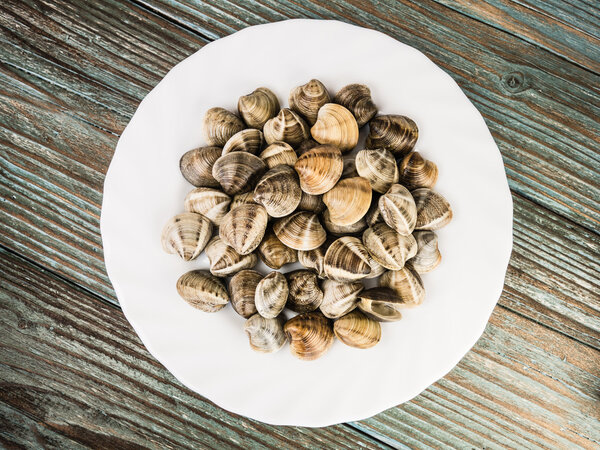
x=279 y=153
x=308 y=99
x=237 y=172
x=271 y=295
x=249 y=140
x=244 y=227
x=388 y=247
x=219 y=125
x=225 y=261
x=274 y=253
x=304 y=294
x=336 y=126
x=357 y=330
x=348 y=201
x=357 y=99
x=300 y=231
x=417 y=172
x=202 y=290
x=379 y=167
x=265 y=335
x=342 y=230
x=406 y=283
x=347 y=260
x=428 y=256
x=339 y=298
x=186 y=235
x=381 y=304
x=279 y=191
x=398 y=209
x=242 y=289
x=211 y=203
x=196 y=166
x=287 y=126
x=310 y=335
x=433 y=210
x=258 y=107
x=313 y=259
x=319 y=169
x=395 y=133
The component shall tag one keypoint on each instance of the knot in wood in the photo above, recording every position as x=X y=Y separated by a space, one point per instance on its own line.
x=514 y=82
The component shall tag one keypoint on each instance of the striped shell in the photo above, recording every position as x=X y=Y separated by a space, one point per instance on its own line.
x=388 y=247
x=310 y=335
x=357 y=99
x=342 y=230
x=242 y=288
x=398 y=209
x=196 y=166
x=395 y=133
x=308 y=99
x=225 y=261
x=218 y=125
x=238 y=171
x=406 y=283
x=348 y=201
x=202 y=290
x=279 y=153
x=271 y=295
x=428 y=256
x=433 y=210
x=304 y=294
x=274 y=253
x=258 y=107
x=249 y=140
x=313 y=259
x=244 y=227
x=319 y=169
x=339 y=298
x=300 y=231
x=279 y=191
x=287 y=126
x=347 y=260
x=211 y=203
x=336 y=126
x=186 y=235
x=381 y=304
x=357 y=330
x=379 y=167
x=265 y=335
x=417 y=172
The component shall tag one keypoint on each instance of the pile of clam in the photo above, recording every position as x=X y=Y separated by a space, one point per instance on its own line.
x=280 y=185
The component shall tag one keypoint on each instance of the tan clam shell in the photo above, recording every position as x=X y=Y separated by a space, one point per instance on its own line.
x=373 y=215
x=211 y=203
x=247 y=198
x=388 y=247
x=406 y=283
x=279 y=191
x=287 y=126
x=433 y=210
x=306 y=145
x=417 y=172
x=428 y=256
x=395 y=133
x=300 y=231
x=312 y=203
x=265 y=335
x=398 y=209
x=258 y=107
x=313 y=259
x=342 y=230
x=274 y=253
x=186 y=235
x=279 y=153
x=237 y=172
x=319 y=169
x=271 y=295
x=218 y=125
x=202 y=290
x=308 y=99
x=196 y=166
x=379 y=167
x=339 y=298
x=242 y=288
x=357 y=330
x=304 y=292
x=249 y=140
x=376 y=268
x=225 y=261
x=336 y=126
x=347 y=260
x=310 y=335
x=357 y=99
x=349 y=167
x=381 y=304
x=348 y=201
x=244 y=227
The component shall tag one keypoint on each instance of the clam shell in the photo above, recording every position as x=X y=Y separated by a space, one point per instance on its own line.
x=238 y=171
x=271 y=295
x=265 y=335
x=306 y=145
x=381 y=304
x=279 y=191
x=319 y=169
x=373 y=215
x=279 y=153
x=398 y=134
x=274 y=254
x=398 y=209
x=349 y=170
x=244 y=227
x=219 y=125
x=388 y=247
x=348 y=201
x=339 y=298
x=342 y=230
x=186 y=234
x=347 y=260
x=357 y=99
x=312 y=203
x=310 y=335
x=433 y=210
x=242 y=288
x=308 y=99
x=304 y=292
x=196 y=166
x=417 y=172
x=379 y=167
x=336 y=126
x=225 y=261
x=287 y=126
x=406 y=283
x=211 y=203
x=258 y=107
x=428 y=256
x=357 y=330
x=249 y=140
x=300 y=231
x=313 y=259
x=376 y=268
x=202 y=290
x=247 y=198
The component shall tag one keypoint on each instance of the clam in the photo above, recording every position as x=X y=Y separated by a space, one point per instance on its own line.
x=287 y=126
x=373 y=215
x=279 y=191
x=310 y=335
x=301 y=231
x=265 y=335
x=433 y=210
x=342 y=230
x=273 y=253
x=304 y=292
x=348 y=201
x=196 y=166
x=406 y=283
x=219 y=125
x=312 y=203
x=376 y=269
x=242 y=288
x=271 y=295
x=313 y=259
x=398 y=134
x=279 y=153
x=381 y=304
x=249 y=140
x=225 y=261
x=308 y=99
x=357 y=330
x=306 y=145
x=186 y=234
x=238 y=171
x=349 y=170
x=357 y=99
x=202 y=290
x=247 y=198
x=336 y=126
x=388 y=247
x=417 y=172
x=428 y=256
x=379 y=167
x=398 y=209
x=347 y=260
x=244 y=227
x=258 y=107
x=319 y=169
x=211 y=203
x=339 y=298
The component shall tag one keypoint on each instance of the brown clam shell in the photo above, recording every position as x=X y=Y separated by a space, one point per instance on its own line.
x=417 y=172
x=310 y=335
x=274 y=253
x=242 y=288
x=218 y=125
x=433 y=210
x=265 y=335
x=347 y=260
x=249 y=140
x=406 y=283
x=211 y=203
x=271 y=295
x=300 y=231
x=395 y=133
x=319 y=169
x=339 y=298
x=357 y=99
x=186 y=235
x=202 y=290
x=357 y=330
x=279 y=153
x=335 y=126
x=244 y=227
x=312 y=203
x=381 y=304
x=196 y=166
x=258 y=107
x=342 y=230
x=428 y=256
x=279 y=191
x=304 y=292
x=398 y=209
x=348 y=201
x=379 y=167
x=287 y=126
x=225 y=261
x=388 y=247
x=308 y=99
x=313 y=259
x=237 y=172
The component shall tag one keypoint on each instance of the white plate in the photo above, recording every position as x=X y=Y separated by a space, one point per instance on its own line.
x=209 y=353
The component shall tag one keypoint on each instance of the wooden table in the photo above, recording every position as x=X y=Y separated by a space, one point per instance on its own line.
x=73 y=372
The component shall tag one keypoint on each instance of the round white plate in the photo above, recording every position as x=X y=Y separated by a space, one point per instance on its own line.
x=209 y=353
